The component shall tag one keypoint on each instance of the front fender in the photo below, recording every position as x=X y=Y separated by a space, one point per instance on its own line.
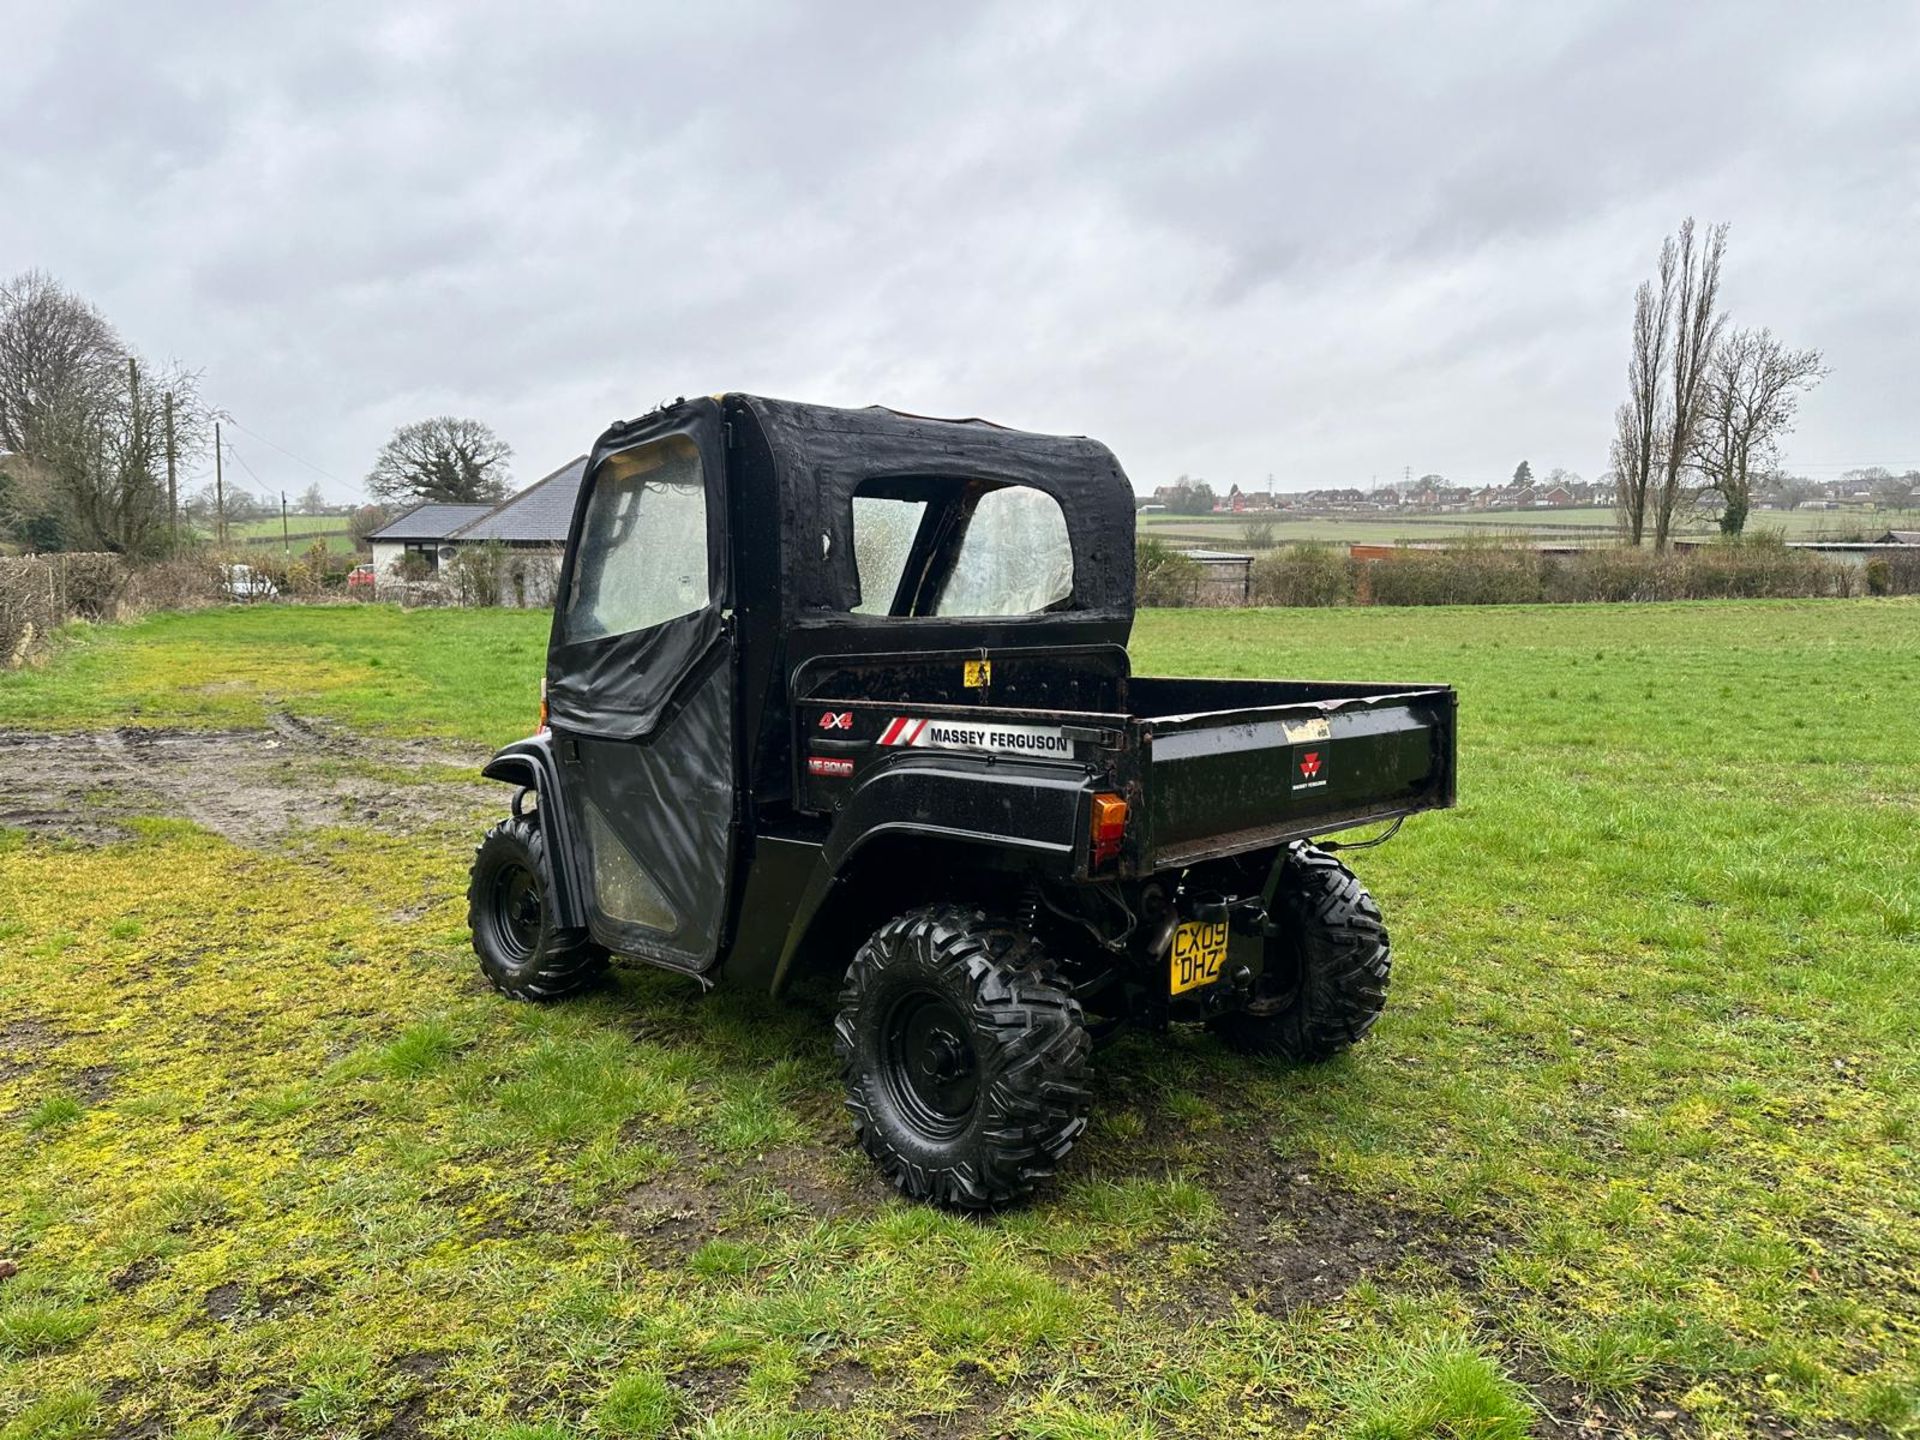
x=530 y=763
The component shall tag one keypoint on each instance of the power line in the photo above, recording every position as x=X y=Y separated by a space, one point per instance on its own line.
x=288 y=453
x=241 y=461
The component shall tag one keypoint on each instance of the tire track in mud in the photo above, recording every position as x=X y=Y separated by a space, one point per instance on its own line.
x=252 y=787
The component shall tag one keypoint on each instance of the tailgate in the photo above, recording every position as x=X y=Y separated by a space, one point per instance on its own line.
x=1326 y=757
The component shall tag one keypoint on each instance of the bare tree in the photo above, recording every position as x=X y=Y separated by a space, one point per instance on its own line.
x=107 y=456
x=1697 y=323
x=1640 y=421
x=444 y=458
x=1753 y=387
x=364 y=521
x=89 y=420
x=313 y=501
x=58 y=356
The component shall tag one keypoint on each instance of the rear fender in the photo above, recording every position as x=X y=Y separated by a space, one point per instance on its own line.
x=998 y=820
x=530 y=764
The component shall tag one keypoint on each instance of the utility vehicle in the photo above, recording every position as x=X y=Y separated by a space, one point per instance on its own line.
x=848 y=691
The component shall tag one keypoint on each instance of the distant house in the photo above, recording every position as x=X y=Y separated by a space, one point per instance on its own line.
x=1558 y=495
x=1899 y=537
x=423 y=531
x=536 y=520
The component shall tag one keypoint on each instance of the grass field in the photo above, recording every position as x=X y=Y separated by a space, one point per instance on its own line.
x=1636 y=1149
x=1570 y=526
x=301 y=532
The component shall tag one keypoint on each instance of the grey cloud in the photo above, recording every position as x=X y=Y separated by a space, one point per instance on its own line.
x=1318 y=242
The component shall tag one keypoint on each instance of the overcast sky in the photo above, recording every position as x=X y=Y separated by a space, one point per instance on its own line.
x=1319 y=242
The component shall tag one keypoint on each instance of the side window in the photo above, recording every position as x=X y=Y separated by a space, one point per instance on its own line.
x=1015 y=558
x=883 y=531
x=642 y=554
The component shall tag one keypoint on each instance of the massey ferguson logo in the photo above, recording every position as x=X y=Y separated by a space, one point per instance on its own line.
x=958 y=735
x=841 y=720
x=1309 y=769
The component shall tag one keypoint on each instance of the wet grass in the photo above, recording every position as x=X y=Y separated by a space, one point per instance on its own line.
x=1634 y=1149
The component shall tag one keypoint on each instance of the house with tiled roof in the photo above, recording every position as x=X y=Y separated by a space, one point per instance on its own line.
x=422 y=531
x=512 y=549
x=538 y=517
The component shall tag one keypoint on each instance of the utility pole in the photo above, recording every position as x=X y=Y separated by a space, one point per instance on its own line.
x=173 y=487
x=219 y=492
x=139 y=457
x=286 y=543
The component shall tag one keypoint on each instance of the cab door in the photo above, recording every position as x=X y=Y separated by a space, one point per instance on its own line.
x=640 y=693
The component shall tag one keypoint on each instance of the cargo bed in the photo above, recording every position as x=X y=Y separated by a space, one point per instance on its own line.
x=1224 y=766
x=1209 y=767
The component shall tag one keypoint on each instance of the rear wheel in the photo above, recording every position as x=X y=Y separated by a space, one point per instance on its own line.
x=523 y=953
x=964 y=1056
x=1325 y=980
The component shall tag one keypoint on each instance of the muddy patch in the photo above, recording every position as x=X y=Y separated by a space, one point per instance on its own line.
x=409 y=1417
x=408 y=1420
x=23 y=1044
x=223 y=1304
x=668 y=1217
x=814 y=1183
x=133 y=1276
x=1566 y=1412
x=254 y=787
x=91 y=1084
x=838 y=1387
x=1292 y=1239
x=979 y=1415
x=707 y=1389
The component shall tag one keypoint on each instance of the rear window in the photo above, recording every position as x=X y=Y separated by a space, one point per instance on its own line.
x=1014 y=558
x=642 y=556
x=959 y=548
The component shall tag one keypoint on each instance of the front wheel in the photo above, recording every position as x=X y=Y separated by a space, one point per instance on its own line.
x=1325 y=980
x=523 y=953
x=964 y=1056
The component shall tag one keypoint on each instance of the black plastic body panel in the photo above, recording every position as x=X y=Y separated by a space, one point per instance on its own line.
x=530 y=763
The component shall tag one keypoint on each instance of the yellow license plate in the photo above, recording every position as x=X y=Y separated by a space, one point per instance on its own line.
x=1199 y=950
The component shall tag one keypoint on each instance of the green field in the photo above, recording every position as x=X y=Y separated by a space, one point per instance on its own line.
x=300 y=533
x=1571 y=526
x=1636 y=1149
x=269 y=528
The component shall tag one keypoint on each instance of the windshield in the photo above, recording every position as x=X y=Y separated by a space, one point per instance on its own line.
x=642 y=556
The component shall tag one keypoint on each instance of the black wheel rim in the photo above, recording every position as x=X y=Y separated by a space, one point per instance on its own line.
x=931 y=1070
x=519 y=909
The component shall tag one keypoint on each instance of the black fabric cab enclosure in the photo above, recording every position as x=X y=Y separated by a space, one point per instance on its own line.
x=713 y=552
